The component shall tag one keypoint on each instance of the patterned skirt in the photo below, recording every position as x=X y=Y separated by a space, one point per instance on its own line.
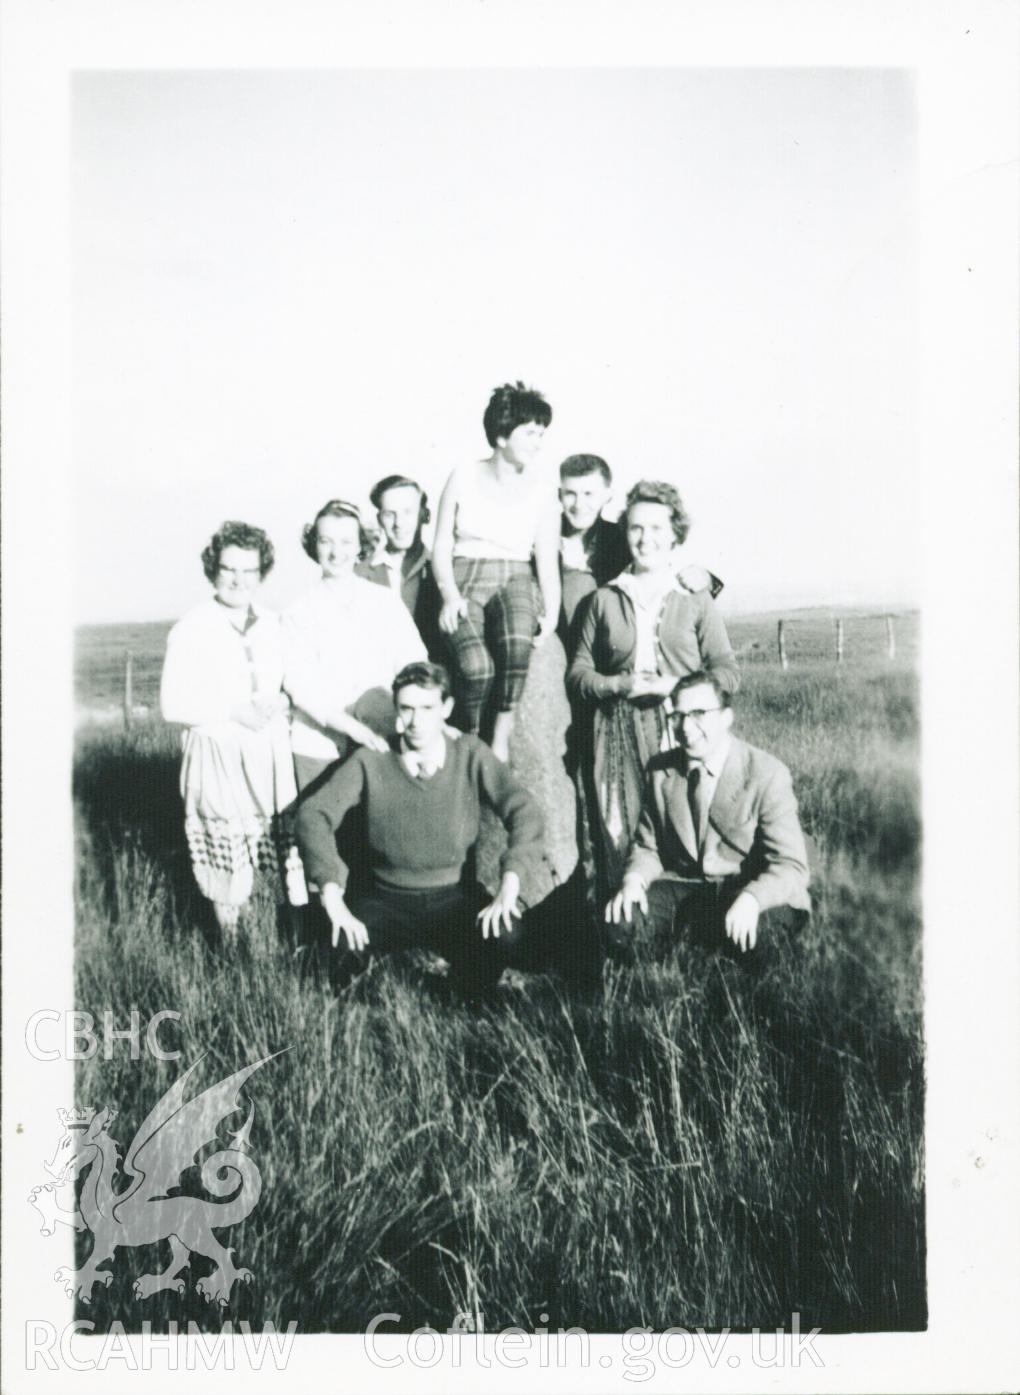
x=611 y=780
x=238 y=788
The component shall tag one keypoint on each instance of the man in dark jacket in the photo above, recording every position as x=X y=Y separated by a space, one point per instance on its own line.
x=402 y=561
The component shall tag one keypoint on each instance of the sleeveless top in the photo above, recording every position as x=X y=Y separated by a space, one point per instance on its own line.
x=498 y=520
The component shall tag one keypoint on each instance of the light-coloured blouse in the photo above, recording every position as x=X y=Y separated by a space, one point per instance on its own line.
x=495 y=520
x=342 y=645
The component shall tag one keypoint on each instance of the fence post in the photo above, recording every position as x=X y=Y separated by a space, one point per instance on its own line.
x=781 y=636
x=839 y=641
x=890 y=637
x=128 y=685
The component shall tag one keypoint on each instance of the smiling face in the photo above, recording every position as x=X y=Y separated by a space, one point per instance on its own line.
x=700 y=722
x=237 y=576
x=582 y=498
x=650 y=536
x=422 y=713
x=521 y=447
x=337 y=545
x=399 y=514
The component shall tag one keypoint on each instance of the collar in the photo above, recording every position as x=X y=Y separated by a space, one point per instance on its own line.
x=408 y=562
x=628 y=583
x=254 y=614
x=413 y=759
x=713 y=768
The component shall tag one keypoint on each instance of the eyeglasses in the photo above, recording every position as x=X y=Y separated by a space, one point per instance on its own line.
x=697 y=714
x=239 y=571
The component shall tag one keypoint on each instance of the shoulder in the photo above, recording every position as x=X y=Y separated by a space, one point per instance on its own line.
x=463 y=477
x=760 y=767
x=303 y=605
x=201 y=619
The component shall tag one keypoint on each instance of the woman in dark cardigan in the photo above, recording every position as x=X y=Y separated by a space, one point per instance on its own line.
x=641 y=633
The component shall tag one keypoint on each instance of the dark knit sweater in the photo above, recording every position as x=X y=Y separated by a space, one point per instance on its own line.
x=419 y=832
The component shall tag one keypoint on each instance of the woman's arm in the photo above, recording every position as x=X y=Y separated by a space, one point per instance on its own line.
x=714 y=643
x=547 y=565
x=302 y=678
x=442 y=556
x=191 y=689
x=583 y=678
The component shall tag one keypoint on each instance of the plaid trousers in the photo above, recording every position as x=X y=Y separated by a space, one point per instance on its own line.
x=491 y=646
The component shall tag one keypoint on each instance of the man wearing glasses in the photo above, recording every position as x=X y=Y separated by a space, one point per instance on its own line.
x=719 y=848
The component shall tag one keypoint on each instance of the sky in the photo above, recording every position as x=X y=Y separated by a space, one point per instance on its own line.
x=285 y=285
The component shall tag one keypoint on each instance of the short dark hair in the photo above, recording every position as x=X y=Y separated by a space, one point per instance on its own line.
x=707 y=677
x=338 y=508
x=659 y=492
x=576 y=466
x=513 y=405
x=234 y=534
x=401 y=482
x=423 y=675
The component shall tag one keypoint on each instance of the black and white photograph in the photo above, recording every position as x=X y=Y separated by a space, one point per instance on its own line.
x=510 y=699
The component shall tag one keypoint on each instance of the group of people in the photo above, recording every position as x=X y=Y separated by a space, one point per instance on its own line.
x=348 y=746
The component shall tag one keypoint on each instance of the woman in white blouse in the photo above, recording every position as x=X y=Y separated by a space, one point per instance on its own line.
x=345 y=640
x=222 y=680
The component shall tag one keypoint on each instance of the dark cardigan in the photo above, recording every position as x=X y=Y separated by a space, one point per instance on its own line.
x=691 y=636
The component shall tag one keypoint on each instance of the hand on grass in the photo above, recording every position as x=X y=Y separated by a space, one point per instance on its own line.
x=632 y=893
x=742 y=921
x=500 y=911
x=342 y=918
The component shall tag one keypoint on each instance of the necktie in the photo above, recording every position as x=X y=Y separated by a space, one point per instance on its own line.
x=696 y=803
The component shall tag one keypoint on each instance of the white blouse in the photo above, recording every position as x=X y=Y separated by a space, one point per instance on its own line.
x=496 y=520
x=211 y=666
x=341 y=643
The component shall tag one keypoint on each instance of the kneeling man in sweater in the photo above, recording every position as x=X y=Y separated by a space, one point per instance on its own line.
x=421 y=806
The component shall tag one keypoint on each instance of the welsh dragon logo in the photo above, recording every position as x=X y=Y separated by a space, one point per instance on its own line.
x=141 y=1212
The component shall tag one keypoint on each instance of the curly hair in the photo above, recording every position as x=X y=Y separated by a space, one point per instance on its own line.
x=234 y=534
x=401 y=482
x=338 y=508
x=659 y=492
x=514 y=405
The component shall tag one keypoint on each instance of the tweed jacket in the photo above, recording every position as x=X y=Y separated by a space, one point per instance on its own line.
x=753 y=827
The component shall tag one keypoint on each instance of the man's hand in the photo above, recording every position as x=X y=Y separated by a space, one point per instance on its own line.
x=500 y=911
x=695 y=578
x=632 y=893
x=651 y=685
x=742 y=921
x=341 y=918
x=453 y=611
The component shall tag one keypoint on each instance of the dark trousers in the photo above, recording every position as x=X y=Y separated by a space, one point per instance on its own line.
x=443 y=919
x=696 y=911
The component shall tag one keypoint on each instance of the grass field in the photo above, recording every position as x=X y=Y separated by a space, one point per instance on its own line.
x=686 y=1143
